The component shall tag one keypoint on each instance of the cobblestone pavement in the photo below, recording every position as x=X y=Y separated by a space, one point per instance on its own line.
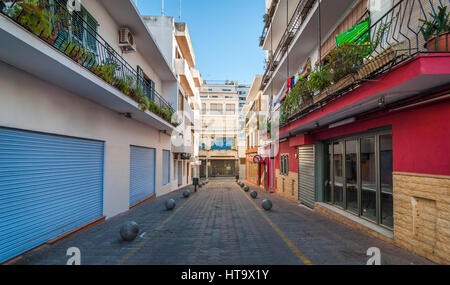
x=221 y=224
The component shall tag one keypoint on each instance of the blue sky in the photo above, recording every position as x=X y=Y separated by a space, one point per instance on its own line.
x=224 y=34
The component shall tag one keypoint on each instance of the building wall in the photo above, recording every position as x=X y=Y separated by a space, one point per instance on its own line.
x=109 y=30
x=287 y=185
x=31 y=104
x=421 y=165
x=422 y=214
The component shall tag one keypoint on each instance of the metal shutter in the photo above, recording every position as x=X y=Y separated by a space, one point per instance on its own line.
x=306 y=179
x=49 y=185
x=142 y=173
x=166 y=167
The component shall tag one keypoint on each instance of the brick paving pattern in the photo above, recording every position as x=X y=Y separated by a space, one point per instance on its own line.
x=219 y=225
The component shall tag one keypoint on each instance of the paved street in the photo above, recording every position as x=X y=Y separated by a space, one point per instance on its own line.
x=221 y=224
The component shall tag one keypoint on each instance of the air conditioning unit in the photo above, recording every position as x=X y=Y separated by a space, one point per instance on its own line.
x=73 y=5
x=126 y=40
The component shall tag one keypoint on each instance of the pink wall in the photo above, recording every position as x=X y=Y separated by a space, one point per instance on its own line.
x=421 y=137
x=292 y=151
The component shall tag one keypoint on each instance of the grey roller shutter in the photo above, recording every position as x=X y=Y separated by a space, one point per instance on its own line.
x=306 y=185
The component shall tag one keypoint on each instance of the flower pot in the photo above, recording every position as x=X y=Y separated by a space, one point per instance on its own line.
x=442 y=44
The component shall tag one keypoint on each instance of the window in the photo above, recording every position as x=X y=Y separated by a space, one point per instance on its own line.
x=203 y=108
x=359 y=176
x=230 y=109
x=338 y=175
x=386 y=169
x=284 y=164
x=368 y=183
x=216 y=108
x=84 y=29
x=166 y=167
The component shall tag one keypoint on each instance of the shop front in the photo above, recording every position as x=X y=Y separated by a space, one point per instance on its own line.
x=255 y=167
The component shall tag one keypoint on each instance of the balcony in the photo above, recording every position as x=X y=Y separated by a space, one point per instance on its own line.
x=35 y=38
x=394 y=59
x=184 y=148
x=187 y=82
x=184 y=42
x=299 y=39
x=189 y=114
x=197 y=77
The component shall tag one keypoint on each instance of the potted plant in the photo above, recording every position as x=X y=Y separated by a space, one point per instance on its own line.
x=345 y=60
x=266 y=19
x=436 y=31
x=34 y=16
x=320 y=78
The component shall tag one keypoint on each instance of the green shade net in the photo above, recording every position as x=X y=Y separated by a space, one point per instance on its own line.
x=352 y=35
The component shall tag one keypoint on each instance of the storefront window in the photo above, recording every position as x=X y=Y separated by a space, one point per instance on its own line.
x=368 y=179
x=386 y=168
x=358 y=176
x=328 y=178
x=338 y=175
x=351 y=175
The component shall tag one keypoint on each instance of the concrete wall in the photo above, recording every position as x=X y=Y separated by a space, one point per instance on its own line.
x=162 y=30
x=31 y=104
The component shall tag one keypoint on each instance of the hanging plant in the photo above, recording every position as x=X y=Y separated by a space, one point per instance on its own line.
x=32 y=15
x=345 y=60
x=320 y=78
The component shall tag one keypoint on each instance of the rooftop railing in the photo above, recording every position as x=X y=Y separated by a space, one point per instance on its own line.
x=76 y=37
x=409 y=28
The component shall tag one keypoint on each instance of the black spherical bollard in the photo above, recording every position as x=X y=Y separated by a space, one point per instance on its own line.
x=170 y=204
x=129 y=230
x=186 y=193
x=254 y=194
x=246 y=188
x=267 y=205
x=242 y=185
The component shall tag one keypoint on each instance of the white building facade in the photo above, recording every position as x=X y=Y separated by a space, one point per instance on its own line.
x=219 y=139
x=173 y=37
x=85 y=119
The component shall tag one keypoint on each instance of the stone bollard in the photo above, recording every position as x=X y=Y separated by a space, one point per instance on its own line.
x=129 y=230
x=267 y=205
x=170 y=204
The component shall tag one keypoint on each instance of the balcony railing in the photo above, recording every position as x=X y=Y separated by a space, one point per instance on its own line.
x=72 y=35
x=302 y=9
x=410 y=27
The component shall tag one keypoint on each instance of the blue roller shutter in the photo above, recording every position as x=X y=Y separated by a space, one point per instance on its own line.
x=142 y=173
x=49 y=185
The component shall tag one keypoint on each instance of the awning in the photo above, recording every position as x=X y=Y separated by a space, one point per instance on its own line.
x=354 y=34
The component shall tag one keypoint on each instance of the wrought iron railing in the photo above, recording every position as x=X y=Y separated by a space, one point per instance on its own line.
x=73 y=35
x=410 y=27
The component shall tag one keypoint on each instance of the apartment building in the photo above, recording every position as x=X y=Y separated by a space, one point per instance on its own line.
x=255 y=113
x=174 y=40
x=86 y=117
x=219 y=130
x=360 y=93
